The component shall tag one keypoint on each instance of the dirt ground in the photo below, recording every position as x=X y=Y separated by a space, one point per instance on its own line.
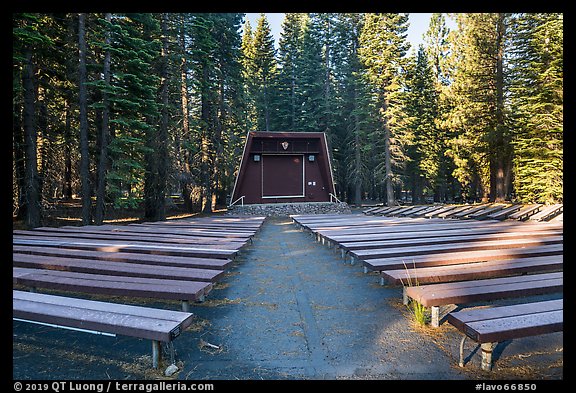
x=288 y=309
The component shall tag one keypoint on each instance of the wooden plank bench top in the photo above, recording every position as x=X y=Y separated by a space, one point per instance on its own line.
x=525 y=212
x=398 y=212
x=173 y=230
x=140 y=231
x=153 y=324
x=112 y=285
x=430 y=209
x=427 y=225
x=473 y=270
x=472 y=210
x=463 y=292
x=128 y=247
x=444 y=209
x=427 y=240
x=454 y=232
x=127 y=236
x=364 y=254
x=380 y=264
x=391 y=210
x=413 y=210
x=114 y=268
x=454 y=210
x=547 y=212
x=504 y=213
x=150 y=259
x=488 y=326
x=371 y=209
x=485 y=213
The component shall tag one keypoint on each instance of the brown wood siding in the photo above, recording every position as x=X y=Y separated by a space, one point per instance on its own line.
x=284 y=172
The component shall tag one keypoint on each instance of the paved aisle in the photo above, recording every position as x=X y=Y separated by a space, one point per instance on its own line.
x=292 y=309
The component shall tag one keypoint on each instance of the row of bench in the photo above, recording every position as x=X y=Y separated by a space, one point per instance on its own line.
x=442 y=264
x=481 y=211
x=170 y=260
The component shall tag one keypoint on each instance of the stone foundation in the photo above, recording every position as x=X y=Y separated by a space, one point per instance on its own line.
x=286 y=209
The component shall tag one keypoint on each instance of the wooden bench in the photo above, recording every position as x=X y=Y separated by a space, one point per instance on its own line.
x=102 y=317
x=504 y=213
x=547 y=212
x=103 y=284
x=128 y=257
x=123 y=234
x=473 y=209
x=113 y=246
x=428 y=210
x=448 y=294
x=525 y=212
x=454 y=210
x=114 y=268
x=488 y=326
x=435 y=212
x=472 y=270
x=483 y=214
x=379 y=264
x=409 y=251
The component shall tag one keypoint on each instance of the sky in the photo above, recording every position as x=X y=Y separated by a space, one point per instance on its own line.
x=418 y=25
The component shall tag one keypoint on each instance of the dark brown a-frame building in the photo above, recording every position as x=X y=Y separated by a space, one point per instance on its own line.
x=284 y=167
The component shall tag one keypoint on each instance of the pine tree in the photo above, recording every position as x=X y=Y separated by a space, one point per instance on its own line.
x=481 y=147
x=382 y=48
x=248 y=77
x=288 y=83
x=264 y=72
x=537 y=107
x=311 y=70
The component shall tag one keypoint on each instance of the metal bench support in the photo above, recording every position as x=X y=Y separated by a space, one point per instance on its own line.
x=487 y=349
x=156 y=352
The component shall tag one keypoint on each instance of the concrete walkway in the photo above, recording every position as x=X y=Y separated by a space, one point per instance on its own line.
x=293 y=309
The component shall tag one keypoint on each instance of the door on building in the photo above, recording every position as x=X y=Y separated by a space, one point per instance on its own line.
x=282 y=175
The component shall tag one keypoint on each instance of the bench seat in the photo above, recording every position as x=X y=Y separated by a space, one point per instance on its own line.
x=462 y=292
x=488 y=326
x=473 y=270
x=112 y=246
x=452 y=258
x=114 y=268
x=101 y=284
x=148 y=323
x=149 y=259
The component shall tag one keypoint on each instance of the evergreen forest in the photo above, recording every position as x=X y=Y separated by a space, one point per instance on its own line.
x=126 y=110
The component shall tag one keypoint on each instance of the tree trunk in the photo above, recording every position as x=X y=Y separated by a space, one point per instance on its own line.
x=19 y=144
x=163 y=131
x=498 y=150
x=83 y=105
x=32 y=194
x=390 y=200
x=100 y=210
x=357 y=181
x=205 y=145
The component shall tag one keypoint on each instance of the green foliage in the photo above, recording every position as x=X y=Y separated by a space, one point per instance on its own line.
x=437 y=122
x=537 y=102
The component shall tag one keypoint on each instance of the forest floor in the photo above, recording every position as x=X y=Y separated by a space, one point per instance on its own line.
x=288 y=309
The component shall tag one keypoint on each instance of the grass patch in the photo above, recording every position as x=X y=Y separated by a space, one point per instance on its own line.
x=420 y=314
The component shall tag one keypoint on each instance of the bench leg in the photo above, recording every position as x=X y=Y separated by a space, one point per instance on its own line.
x=435 y=317
x=185 y=306
x=156 y=351
x=439 y=312
x=405 y=297
x=343 y=253
x=487 y=349
x=461 y=362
